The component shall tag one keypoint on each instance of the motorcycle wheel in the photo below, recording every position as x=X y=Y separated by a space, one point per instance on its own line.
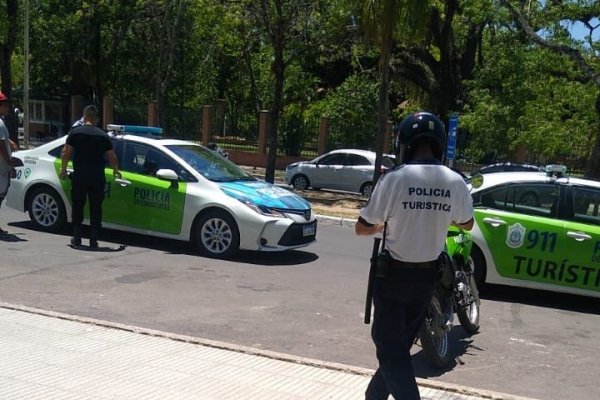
x=469 y=315
x=434 y=335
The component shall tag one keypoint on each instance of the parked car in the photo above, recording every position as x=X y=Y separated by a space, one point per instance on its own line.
x=507 y=167
x=348 y=169
x=173 y=189
x=538 y=230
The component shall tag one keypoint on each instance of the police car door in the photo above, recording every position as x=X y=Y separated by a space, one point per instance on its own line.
x=580 y=264
x=520 y=227
x=140 y=200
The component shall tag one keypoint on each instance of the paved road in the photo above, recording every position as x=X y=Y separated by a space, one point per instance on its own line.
x=307 y=302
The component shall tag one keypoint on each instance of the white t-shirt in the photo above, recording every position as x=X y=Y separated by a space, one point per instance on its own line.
x=419 y=201
x=4 y=141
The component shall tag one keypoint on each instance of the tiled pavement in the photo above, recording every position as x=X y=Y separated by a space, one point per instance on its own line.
x=47 y=355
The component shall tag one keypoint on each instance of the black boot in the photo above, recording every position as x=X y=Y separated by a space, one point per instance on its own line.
x=93 y=238
x=76 y=239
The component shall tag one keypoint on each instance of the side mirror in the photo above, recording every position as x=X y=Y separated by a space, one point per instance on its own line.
x=168 y=175
x=477 y=180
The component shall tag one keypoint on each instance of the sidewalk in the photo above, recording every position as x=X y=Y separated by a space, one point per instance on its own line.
x=47 y=355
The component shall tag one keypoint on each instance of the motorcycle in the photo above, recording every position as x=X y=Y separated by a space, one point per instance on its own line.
x=455 y=292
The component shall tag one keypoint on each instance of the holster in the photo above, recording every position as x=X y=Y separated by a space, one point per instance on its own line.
x=384 y=260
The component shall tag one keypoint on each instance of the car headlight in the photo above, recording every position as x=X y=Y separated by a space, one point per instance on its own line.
x=291 y=167
x=267 y=211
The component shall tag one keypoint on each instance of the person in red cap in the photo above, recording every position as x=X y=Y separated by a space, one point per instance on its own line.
x=7 y=171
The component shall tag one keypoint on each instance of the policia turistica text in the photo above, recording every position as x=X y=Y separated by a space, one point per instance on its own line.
x=418 y=200
x=88 y=145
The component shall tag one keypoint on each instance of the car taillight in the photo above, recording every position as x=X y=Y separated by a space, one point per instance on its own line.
x=16 y=162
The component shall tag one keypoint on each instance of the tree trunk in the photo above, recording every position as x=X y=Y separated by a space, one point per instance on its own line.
x=6 y=50
x=593 y=165
x=279 y=73
x=383 y=105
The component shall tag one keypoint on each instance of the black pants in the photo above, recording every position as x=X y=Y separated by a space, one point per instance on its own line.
x=85 y=187
x=401 y=301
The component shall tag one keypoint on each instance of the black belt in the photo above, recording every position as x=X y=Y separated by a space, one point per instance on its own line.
x=413 y=265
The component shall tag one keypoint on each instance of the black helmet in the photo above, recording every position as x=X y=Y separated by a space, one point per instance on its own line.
x=416 y=128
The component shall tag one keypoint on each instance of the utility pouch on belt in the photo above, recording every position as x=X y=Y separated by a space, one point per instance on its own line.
x=384 y=260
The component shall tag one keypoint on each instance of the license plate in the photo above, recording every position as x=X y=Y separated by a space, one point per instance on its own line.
x=309 y=230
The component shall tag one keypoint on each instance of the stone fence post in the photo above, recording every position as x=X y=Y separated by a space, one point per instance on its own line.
x=108 y=111
x=323 y=134
x=153 y=113
x=77 y=104
x=207 y=117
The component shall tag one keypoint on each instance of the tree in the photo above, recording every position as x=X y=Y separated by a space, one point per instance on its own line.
x=282 y=21
x=447 y=57
x=383 y=21
x=8 y=37
x=586 y=15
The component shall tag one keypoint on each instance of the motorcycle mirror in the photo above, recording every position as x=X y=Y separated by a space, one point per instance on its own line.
x=477 y=180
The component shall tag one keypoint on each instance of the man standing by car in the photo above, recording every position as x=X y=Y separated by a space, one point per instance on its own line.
x=7 y=171
x=415 y=202
x=88 y=145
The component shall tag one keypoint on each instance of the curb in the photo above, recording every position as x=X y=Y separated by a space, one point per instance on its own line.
x=349 y=222
x=344 y=368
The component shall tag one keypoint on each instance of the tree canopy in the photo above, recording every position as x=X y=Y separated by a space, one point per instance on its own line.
x=524 y=87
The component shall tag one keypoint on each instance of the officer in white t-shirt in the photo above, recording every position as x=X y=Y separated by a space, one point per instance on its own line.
x=418 y=200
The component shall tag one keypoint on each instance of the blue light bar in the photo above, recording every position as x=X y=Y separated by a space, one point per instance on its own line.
x=136 y=129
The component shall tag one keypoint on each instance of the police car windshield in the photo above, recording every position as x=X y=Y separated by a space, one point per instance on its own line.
x=210 y=164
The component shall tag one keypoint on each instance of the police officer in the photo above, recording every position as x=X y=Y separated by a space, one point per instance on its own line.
x=88 y=145
x=416 y=202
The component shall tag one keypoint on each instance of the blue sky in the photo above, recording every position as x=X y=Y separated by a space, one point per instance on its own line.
x=578 y=30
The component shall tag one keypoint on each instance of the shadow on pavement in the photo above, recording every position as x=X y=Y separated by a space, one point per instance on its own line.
x=283 y=258
x=541 y=298
x=99 y=249
x=460 y=344
x=122 y=240
x=10 y=237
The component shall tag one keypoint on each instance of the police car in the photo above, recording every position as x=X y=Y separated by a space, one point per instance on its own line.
x=538 y=230
x=172 y=189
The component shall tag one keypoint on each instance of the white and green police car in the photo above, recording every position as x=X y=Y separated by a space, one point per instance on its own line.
x=538 y=230
x=172 y=189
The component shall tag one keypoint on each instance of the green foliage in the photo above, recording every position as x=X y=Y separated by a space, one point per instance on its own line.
x=531 y=97
x=294 y=130
x=352 y=109
x=190 y=53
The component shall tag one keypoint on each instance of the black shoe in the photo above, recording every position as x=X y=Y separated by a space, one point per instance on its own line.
x=76 y=240
x=93 y=238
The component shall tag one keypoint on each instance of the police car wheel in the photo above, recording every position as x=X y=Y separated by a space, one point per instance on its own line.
x=300 y=182
x=367 y=189
x=46 y=209
x=217 y=235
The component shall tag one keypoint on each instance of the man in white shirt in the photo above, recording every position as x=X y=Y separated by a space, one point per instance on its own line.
x=416 y=202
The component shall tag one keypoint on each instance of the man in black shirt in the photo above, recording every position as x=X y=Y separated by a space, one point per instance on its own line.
x=88 y=144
